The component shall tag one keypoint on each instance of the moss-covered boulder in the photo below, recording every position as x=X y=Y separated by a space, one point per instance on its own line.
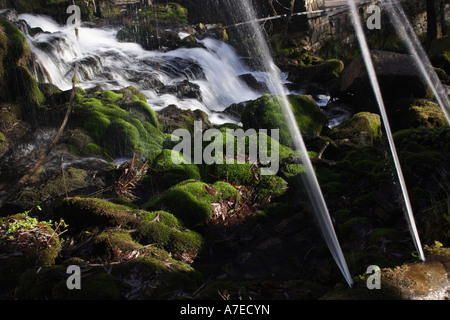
x=164 y=231
x=267 y=113
x=325 y=73
x=168 y=167
x=119 y=122
x=17 y=84
x=166 y=278
x=53 y=187
x=191 y=201
x=81 y=213
x=361 y=130
x=424 y=113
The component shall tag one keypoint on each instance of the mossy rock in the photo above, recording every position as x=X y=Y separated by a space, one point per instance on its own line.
x=168 y=275
x=97 y=286
x=153 y=37
x=324 y=73
x=424 y=113
x=56 y=186
x=35 y=285
x=16 y=83
x=170 y=13
x=81 y=213
x=119 y=122
x=266 y=113
x=9 y=116
x=15 y=48
x=113 y=244
x=173 y=239
x=363 y=129
x=166 y=173
x=191 y=200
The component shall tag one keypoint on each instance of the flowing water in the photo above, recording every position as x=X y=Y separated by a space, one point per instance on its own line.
x=259 y=50
x=406 y=32
x=374 y=82
x=111 y=64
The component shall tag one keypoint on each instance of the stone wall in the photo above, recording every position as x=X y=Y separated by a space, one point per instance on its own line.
x=338 y=24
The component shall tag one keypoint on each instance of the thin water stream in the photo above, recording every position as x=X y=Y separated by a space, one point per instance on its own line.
x=244 y=11
x=376 y=88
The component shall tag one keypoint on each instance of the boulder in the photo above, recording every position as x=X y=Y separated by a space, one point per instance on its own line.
x=397 y=75
x=266 y=113
x=361 y=130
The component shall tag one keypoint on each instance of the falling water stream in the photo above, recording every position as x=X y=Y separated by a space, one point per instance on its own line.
x=376 y=88
x=244 y=11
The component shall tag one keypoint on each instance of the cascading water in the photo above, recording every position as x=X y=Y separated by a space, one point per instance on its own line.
x=111 y=64
x=245 y=12
x=406 y=32
x=376 y=88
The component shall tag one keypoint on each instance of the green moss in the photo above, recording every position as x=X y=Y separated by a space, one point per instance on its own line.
x=166 y=173
x=170 y=275
x=189 y=201
x=424 y=113
x=119 y=126
x=363 y=129
x=322 y=73
x=92 y=149
x=97 y=286
x=35 y=239
x=266 y=113
x=132 y=94
x=111 y=243
x=56 y=186
x=81 y=213
x=110 y=96
x=17 y=47
x=170 y=13
x=35 y=285
x=168 y=238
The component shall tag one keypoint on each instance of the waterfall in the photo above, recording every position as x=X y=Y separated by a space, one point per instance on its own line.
x=259 y=50
x=103 y=60
x=376 y=88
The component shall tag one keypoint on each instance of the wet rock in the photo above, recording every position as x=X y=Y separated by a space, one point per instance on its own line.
x=183 y=90
x=361 y=130
x=172 y=118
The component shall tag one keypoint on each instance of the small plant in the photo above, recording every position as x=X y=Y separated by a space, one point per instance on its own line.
x=22 y=228
x=435 y=249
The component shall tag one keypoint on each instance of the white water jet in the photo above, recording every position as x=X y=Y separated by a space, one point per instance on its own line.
x=406 y=32
x=245 y=11
x=376 y=88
